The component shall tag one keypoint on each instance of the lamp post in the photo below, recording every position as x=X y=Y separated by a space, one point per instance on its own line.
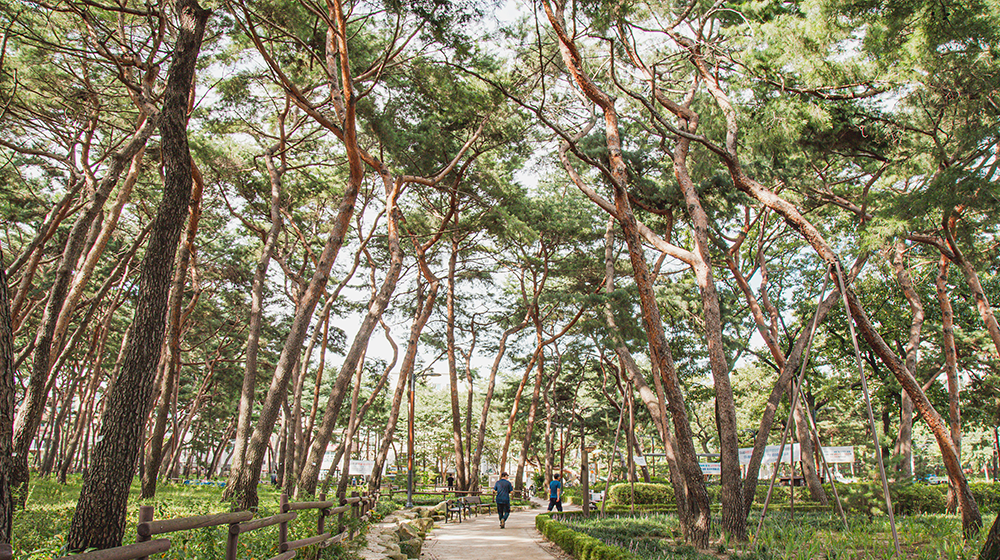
x=409 y=436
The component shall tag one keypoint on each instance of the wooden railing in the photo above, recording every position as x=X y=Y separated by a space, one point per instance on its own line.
x=454 y=493
x=358 y=507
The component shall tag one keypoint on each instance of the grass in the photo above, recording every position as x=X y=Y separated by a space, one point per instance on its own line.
x=807 y=536
x=40 y=530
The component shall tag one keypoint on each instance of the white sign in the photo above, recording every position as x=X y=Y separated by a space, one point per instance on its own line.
x=362 y=468
x=711 y=468
x=791 y=453
x=839 y=454
x=640 y=461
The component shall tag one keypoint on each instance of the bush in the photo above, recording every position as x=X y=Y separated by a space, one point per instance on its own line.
x=579 y=545
x=987 y=494
x=660 y=494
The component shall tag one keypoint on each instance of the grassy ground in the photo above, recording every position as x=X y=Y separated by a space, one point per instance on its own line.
x=40 y=530
x=809 y=536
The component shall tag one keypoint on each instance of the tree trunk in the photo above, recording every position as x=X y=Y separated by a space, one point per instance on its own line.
x=477 y=457
x=733 y=513
x=352 y=425
x=971 y=278
x=6 y=410
x=950 y=366
x=247 y=390
x=697 y=497
x=904 y=439
x=532 y=410
x=456 y=411
x=99 y=519
x=29 y=413
x=310 y=473
x=172 y=361
x=423 y=312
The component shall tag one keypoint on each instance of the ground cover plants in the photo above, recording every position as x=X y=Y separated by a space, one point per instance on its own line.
x=802 y=536
x=40 y=530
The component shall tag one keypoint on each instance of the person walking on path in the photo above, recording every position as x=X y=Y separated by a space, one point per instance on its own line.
x=503 y=488
x=451 y=482
x=555 y=493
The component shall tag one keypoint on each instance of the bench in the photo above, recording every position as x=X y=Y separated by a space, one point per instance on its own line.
x=453 y=508
x=595 y=499
x=476 y=503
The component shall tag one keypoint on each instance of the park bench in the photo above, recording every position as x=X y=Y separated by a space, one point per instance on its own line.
x=595 y=499
x=476 y=503
x=454 y=508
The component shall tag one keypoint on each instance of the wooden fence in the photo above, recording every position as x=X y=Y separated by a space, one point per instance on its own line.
x=359 y=507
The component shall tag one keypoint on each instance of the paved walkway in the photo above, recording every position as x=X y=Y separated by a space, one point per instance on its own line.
x=482 y=537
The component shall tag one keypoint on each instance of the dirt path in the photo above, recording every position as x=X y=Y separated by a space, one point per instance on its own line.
x=482 y=537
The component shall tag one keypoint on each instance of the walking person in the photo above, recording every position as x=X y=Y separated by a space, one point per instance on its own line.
x=555 y=493
x=503 y=488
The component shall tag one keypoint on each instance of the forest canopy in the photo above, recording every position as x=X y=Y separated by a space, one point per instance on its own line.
x=237 y=234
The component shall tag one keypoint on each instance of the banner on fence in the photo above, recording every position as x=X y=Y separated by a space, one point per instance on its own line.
x=711 y=468
x=839 y=454
x=791 y=453
x=361 y=467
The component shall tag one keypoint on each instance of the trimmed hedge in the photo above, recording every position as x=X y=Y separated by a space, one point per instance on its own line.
x=645 y=493
x=858 y=497
x=578 y=545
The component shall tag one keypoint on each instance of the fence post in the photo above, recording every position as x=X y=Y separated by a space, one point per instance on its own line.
x=322 y=515
x=354 y=512
x=145 y=515
x=340 y=516
x=283 y=526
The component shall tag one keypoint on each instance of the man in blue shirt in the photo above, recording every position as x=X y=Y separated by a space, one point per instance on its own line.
x=555 y=493
x=503 y=488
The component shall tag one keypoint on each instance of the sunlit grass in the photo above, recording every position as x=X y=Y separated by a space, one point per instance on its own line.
x=40 y=531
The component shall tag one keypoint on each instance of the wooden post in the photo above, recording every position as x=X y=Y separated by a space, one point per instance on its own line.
x=145 y=515
x=355 y=509
x=283 y=526
x=232 y=539
x=340 y=516
x=322 y=515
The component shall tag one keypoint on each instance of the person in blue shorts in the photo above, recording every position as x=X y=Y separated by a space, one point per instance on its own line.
x=555 y=493
x=503 y=488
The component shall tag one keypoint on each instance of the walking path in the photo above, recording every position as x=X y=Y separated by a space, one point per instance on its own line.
x=482 y=537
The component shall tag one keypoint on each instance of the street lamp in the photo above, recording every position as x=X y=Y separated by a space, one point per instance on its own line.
x=409 y=436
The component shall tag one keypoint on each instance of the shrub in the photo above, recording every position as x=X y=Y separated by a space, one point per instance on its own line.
x=579 y=545
x=987 y=495
x=661 y=494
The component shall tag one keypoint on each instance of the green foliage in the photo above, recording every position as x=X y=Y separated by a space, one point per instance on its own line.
x=622 y=494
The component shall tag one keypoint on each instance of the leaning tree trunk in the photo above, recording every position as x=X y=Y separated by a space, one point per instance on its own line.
x=99 y=519
x=29 y=414
x=310 y=472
